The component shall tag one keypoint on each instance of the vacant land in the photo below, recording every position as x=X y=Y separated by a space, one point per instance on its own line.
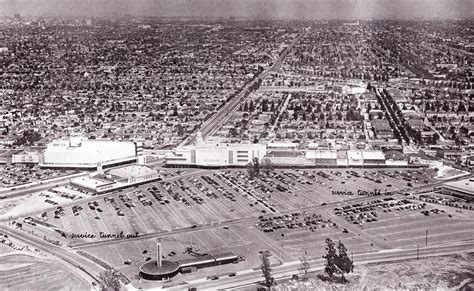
x=442 y=273
x=21 y=272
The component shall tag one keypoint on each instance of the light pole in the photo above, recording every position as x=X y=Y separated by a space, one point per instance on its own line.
x=280 y=254
x=426 y=238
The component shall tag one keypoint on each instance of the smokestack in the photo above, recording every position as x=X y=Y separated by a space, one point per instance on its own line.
x=158 y=254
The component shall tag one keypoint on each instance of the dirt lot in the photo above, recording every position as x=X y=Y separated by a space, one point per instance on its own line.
x=24 y=272
x=442 y=273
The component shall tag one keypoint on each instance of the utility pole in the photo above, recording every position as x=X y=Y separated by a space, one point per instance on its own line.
x=426 y=238
x=279 y=254
x=418 y=252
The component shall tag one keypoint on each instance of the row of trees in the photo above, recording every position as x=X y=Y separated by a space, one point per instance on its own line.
x=265 y=106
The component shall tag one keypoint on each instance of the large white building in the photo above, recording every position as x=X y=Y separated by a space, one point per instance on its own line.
x=215 y=154
x=76 y=152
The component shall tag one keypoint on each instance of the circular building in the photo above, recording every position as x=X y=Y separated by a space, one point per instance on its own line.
x=151 y=271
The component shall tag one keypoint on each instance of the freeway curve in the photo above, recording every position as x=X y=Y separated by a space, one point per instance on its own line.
x=223 y=114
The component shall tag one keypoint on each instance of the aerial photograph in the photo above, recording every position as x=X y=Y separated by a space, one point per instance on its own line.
x=236 y=145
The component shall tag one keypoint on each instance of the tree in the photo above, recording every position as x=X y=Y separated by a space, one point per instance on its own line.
x=304 y=268
x=461 y=107
x=251 y=106
x=267 y=271
x=264 y=105
x=109 y=280
x=256 y=166
x=330 y=257
x=343 y=262
x=295 y=115
x=446 y=106
x=435 y=138
x=233 y=132
x=180 y=129
x=246 y=107
x=272 y=106
x=321 y=116
x=267 y=166
x=250 y=171
x=337 y=262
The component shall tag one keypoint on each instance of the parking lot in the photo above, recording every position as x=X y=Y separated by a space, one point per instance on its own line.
x=289 y=212
x=12 y=175
x=407 y=222
x=206 y=197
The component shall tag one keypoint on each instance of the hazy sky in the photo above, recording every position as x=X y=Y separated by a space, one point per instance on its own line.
x=265 y=9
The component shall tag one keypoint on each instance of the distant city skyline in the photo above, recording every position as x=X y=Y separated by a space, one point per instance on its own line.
x=254 y=9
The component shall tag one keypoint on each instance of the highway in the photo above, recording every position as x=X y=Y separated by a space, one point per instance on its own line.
x=225 y=112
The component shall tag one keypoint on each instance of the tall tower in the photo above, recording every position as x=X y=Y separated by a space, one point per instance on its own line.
x=158 y=254
x=100 y=169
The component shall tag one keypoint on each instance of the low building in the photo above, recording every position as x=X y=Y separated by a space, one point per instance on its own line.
x=397 y=95
x=342 y=158
x=354 y=158
x=415 y=124
x=100 y=182
x=395 y=158
x=7 y=140
x=286 y=158
x=462 y=189
x=321 y=157
x=449 y=154
x=322 y=145
x=381 y=128
x=27 y=157
x=282 y=145
x=373 y=158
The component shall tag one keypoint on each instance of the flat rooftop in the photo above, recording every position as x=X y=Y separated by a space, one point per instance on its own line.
x=466 y=186
x=283 y=154
x=91 y=182
x=132 y=171
x=321 y=155
x=373 y=155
